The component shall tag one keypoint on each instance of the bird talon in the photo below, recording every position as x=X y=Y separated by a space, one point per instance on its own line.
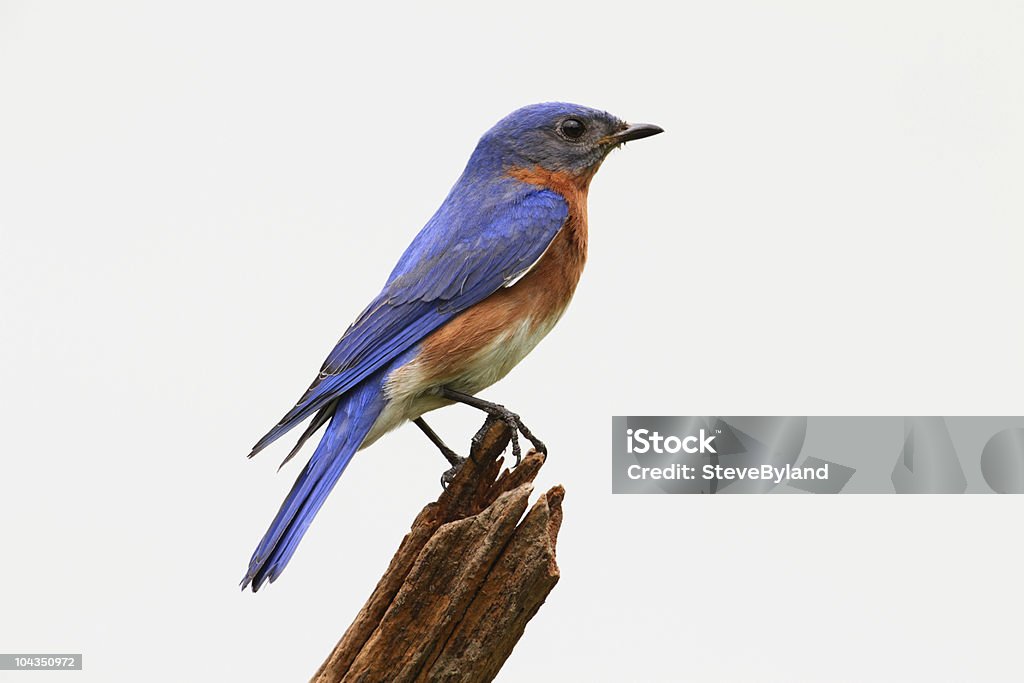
x=515 y=425
x=516 y=451
x=449 y=475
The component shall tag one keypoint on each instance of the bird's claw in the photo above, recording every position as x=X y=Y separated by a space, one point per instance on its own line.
x=516 y=425
x=449 y=476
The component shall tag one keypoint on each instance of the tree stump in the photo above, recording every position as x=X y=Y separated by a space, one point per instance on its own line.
x=465 y=581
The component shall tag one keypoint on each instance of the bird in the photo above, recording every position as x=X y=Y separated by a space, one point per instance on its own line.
x=479 y=286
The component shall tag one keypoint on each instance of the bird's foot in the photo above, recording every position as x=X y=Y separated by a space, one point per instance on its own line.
x=498 y=412
x=515 y=423
x=449 y=476
x=453 y=458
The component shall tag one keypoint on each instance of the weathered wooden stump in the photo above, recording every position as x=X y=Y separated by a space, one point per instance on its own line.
x=466 y=579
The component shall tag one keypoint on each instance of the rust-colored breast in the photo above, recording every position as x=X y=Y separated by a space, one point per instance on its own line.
x=535 y=301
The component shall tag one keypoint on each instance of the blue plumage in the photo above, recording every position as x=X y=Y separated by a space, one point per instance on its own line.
x=495 y=224
x=473 y=245
x=350 y=423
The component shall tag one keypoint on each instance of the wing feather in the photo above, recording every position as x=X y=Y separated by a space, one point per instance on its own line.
x=464 y=254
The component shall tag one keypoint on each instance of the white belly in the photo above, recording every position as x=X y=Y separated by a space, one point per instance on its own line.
x=412 y=391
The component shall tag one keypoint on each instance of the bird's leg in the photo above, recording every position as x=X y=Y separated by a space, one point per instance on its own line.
x=453 y=458
x=503 y=414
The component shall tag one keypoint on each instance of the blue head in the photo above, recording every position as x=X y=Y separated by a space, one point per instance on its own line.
x=557 y=137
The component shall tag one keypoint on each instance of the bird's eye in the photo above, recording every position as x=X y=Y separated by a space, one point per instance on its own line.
x=572 y=129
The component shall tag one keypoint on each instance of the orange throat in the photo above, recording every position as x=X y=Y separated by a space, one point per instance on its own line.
x=573 y=189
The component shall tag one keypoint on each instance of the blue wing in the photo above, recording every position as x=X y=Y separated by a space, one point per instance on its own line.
x=474 y=244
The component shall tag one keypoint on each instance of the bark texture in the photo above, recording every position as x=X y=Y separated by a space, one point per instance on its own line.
x=466 y=579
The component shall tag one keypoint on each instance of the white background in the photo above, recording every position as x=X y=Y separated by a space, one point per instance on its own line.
x=196 y=198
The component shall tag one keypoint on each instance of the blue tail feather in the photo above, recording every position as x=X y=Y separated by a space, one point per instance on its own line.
x=352 y=420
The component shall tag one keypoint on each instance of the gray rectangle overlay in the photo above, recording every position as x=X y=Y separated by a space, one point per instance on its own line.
x=40 y=662
x=791 y=454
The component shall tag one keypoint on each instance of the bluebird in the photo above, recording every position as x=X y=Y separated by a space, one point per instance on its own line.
x=482 y=283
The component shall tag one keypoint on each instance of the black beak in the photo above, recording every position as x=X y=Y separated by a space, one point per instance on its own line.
x=634 y=132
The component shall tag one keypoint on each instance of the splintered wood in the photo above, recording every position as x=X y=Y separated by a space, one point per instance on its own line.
x=466 y=579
